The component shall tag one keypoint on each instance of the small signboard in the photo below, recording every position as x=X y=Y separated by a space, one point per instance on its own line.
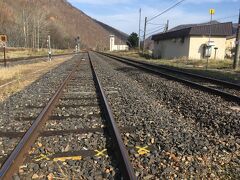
x=212 y=11
x=3 y=38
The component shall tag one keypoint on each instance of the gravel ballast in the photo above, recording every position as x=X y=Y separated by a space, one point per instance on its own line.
x=193 y=134
x=29 y=103
x=78 y=108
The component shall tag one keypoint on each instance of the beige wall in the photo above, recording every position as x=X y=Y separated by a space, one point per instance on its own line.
x=192 y=48
x=230 y=43
x=196 y=47
x=169 y=49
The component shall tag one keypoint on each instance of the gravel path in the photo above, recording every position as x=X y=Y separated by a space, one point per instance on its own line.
x=192 y=134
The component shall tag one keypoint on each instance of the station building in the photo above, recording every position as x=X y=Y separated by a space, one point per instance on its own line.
x=192 y=42
x=119 y=47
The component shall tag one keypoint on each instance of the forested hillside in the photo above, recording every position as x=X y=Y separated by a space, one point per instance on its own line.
x=28 y=23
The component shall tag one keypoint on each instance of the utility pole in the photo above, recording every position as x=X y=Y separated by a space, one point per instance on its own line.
x=237 y=48
x=38 y=35
x=4 y=55
x=139 y=32
x=167 y=26
x=211 y=11
x=144 y=36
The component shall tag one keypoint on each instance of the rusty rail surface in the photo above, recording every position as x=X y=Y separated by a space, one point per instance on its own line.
x=20 y=152
x=122 y=154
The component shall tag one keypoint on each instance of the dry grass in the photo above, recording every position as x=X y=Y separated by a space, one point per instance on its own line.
x=182 y=62
x=196 y=64
x=23 y=75
x=216 y=68
x=8 y=74
x=18 y=53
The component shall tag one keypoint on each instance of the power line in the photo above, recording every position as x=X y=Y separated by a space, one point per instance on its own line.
x=169 y=3
x=236 y=15
x=152 y=29
x=148 y=20
x=155 y=31
x=155 y=24
x=168 y=9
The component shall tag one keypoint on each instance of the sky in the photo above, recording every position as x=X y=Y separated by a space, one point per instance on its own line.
x=124 y=14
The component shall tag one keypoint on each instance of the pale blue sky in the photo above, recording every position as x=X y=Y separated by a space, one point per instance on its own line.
x=124 y=14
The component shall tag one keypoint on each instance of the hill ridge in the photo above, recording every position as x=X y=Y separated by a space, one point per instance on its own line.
x=59 y=18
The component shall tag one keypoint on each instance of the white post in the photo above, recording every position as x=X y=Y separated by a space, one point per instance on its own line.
x=49 y=48
x=112 y=42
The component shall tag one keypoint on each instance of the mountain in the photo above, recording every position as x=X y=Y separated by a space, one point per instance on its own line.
x=28 y=22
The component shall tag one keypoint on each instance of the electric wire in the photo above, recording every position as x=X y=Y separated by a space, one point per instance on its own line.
x=168 y=9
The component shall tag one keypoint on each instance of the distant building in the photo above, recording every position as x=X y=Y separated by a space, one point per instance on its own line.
x=191 y=42
x=114 y=47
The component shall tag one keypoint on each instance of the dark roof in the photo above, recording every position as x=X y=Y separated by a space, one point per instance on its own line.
x=218 y=29
x=184 y=26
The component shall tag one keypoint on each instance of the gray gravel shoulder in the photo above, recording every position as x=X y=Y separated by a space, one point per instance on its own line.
x=185 y=127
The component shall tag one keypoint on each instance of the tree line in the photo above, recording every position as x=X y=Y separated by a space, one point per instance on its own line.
x=29 y=27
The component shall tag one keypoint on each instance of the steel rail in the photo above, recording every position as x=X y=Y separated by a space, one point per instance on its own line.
x=20 y=152
x=126 y=166
x=156 y=71
x=21 y=59
x=201 y=77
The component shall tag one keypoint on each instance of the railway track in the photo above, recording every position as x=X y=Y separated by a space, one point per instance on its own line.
x=22 y=59
x=74 y=132
x=226 y=90
x=178 y=124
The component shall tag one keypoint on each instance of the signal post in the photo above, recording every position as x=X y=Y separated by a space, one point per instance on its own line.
x=3 y=41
